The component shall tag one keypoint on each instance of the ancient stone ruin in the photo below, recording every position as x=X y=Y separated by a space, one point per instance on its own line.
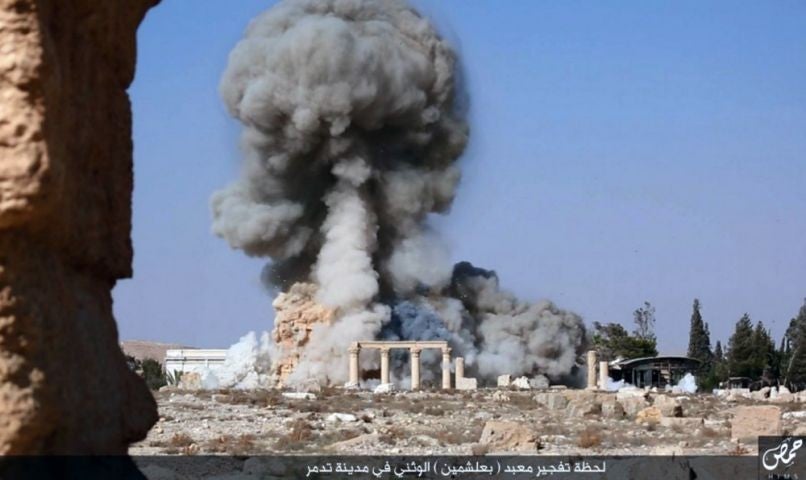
x=65 y=215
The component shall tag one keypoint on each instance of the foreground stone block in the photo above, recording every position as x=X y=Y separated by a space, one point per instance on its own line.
x=508 y=437
x=65 y=221
x=649 y=416
x=750 y=422
x=633 y=405
x=612 y=409
x=668 y=406
x=521 y=383
x=583 y=407
x=503 y=381
x=552 y=401
x=465 y=383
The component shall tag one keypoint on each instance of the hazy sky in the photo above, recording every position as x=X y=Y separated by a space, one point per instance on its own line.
x=619 y=152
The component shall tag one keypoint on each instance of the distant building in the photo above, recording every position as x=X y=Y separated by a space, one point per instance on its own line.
x=194 y=360
x=653 y=371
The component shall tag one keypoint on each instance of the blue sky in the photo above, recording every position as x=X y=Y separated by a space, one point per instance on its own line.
x=620 y=152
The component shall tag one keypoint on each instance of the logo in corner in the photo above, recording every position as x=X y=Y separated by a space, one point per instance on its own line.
x=778 y=457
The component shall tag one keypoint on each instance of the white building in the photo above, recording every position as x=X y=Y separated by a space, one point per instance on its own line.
x=194 y=360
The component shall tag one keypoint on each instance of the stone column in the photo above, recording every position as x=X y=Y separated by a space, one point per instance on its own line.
x=354 y=350
x=603 y=375
x=460 y=367
x=446 y=368
x=384 y=365
x=65 y=224
x=415 y=368
x=591 y=369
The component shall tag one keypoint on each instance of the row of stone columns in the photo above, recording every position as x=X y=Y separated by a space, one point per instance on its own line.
x=414 y=353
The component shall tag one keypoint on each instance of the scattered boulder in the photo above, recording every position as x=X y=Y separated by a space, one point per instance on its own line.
x=509 y=437
x=500 y=396
x=190 y=381
x=504 y=381
x=583 y=407
x=750 y=422
x=633 y=405
x=611 y=408
x=341 y=417
x=522 y=383
x=668 y=406
x=384 y=388
x=630 y=392
x=649 y=416
x=552 y=401
x=465 y=383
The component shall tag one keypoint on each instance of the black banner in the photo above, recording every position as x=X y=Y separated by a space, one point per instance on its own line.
x=781 y=462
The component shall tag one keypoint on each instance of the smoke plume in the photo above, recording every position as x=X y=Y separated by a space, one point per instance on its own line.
x=351 y=138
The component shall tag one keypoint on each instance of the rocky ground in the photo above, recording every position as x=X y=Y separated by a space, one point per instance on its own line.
x=548 y=422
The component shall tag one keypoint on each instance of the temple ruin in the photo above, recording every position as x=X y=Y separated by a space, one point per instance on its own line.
x=414 y=348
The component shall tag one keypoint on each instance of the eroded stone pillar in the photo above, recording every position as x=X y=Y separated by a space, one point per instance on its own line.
x=354 y=350
x=604 y=375
x=591 y=369
x=460 y=367
x=415 y=368
x=446 y=368
x=384 y=365
x=65 y=224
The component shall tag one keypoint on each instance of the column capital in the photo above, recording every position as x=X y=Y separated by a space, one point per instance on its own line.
x=446 y=351
x=354 y=349
x=415 y=351
x=385 y=349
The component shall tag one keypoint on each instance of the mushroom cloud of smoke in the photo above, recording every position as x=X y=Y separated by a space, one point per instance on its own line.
x=352 y=132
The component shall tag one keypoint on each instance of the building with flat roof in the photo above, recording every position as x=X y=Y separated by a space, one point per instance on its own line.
x=653 y=371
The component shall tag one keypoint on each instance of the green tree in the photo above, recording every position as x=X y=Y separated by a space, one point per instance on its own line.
x=763 y=353
x=153 y=374
x=699 y=342
x=741 y=350
x=720 y=370
x=795 y=360
x=613 y=341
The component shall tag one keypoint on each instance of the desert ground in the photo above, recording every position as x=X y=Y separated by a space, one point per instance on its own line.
x=501 y=421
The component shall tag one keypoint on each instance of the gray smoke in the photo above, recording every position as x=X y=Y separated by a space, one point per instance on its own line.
x=351 y=136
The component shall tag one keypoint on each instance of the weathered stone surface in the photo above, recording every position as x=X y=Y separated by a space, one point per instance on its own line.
x=190 y=381
x=689 y=424
x=508 y=437
x=297 y=312
x=552 y=401
x=633 y=405
x=466 y=383
x=612 y=409
x=583 y=407
x=65 y=216
x=384 y=388
x=503 y=381
x=649 y=415
x=750 y=422
x=668 y=406
x=521 y=383
x=500 y=396
x=630 y=392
